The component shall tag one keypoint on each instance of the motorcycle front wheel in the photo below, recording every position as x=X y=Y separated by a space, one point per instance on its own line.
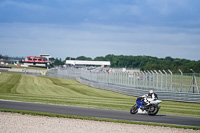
x=153 y=110
x=134 y=109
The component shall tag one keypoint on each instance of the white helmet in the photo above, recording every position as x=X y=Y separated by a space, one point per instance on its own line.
x=151 y=91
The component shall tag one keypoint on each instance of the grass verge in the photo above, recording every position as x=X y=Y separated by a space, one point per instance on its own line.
x=95 y=119
x=31 y=67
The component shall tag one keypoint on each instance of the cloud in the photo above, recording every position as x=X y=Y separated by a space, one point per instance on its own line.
x=166 y=7
x=98 y=40
x=29 y=6
x=130 y=13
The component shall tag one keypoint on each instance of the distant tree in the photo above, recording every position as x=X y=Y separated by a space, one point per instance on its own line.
x=5 y=58
x=84 y=58
x=101 y=58
x=70 y=58
x=168 y=58
x=58 y=62
x=144 y=62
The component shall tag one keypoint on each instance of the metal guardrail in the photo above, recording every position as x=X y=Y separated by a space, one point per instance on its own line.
x=174 y=87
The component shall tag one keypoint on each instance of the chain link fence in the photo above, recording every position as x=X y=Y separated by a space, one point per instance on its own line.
x=168 y=86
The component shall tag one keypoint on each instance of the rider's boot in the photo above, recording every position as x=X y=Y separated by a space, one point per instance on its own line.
x=142 y=108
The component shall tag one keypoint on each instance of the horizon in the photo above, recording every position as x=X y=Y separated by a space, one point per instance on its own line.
x=98 y=56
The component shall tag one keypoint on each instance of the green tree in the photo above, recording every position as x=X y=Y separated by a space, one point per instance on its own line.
x=70 y=58
x=84 y=58
x=101 y=58
x=58 y=62
x=148 y=62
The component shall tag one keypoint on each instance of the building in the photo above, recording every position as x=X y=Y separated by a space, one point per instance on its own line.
x=35 y=61
x=42 y=61
x=46 y=56
x=80 y=62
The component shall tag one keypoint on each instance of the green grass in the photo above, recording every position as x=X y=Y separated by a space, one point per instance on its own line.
x=95 y=119
x=21 y=67
x=29 y=88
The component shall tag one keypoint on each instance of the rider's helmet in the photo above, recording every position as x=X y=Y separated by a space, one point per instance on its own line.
x=151 y=91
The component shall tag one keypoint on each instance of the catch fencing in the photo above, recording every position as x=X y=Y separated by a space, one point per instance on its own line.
x=168 y=86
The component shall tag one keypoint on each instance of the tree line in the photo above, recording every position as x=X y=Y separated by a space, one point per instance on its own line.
x=147 y=62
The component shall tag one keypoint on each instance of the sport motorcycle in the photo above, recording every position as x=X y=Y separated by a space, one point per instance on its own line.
x=150 y=107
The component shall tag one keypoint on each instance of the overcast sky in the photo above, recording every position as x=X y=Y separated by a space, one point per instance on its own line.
x=72 y=28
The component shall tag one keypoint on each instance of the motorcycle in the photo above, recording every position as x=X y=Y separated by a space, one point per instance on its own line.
x=151 y=107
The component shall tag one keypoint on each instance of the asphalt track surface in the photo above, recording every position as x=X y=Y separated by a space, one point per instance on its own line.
x=99 y=113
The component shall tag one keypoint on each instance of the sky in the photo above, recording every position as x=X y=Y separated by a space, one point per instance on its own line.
x=92 y=28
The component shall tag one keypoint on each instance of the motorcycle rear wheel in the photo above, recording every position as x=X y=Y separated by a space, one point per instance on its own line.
x=134 y=109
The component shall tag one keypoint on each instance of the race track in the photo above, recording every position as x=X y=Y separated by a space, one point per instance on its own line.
x=99 y=113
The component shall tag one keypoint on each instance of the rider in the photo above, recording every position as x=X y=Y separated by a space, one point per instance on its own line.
x=151 y=96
